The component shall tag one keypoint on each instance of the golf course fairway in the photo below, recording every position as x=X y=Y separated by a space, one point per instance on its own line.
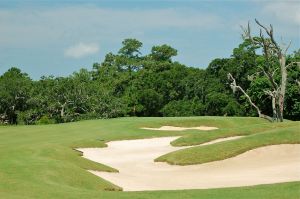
x=41 y=161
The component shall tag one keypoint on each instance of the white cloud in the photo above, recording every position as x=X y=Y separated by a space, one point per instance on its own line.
x=42 y=26
x=81 y=50
x=285 y=11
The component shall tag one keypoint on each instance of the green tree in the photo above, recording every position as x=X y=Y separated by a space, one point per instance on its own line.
x=14 y=92
x=163 y=53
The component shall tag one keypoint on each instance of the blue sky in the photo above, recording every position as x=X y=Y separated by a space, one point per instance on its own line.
x=60 y=37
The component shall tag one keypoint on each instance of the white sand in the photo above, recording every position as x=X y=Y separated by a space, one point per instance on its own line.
x=138 y=171
x=176 y=128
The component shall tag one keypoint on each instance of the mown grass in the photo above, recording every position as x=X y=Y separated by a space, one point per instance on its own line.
x=40 y=161
x=224 y=150
x=223 y=132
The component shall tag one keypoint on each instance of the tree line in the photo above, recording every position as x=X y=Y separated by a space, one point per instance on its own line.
x=128 y=83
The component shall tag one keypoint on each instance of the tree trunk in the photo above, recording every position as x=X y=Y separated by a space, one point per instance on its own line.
x=62 y=110
x=275 y=114
x=282 y=90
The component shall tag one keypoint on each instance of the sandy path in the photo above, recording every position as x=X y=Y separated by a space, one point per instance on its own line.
x=176 y=128
x=138 y=171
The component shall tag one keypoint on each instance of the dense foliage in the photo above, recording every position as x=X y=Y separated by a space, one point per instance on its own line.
x=131 y=84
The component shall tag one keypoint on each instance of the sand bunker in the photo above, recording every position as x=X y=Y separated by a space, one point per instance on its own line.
x=138 y=171
x=176 y=128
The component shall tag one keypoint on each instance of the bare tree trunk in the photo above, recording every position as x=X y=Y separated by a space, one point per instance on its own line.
x=62 y=110
x=282 y=90
x=275 y=114
x=273 y=95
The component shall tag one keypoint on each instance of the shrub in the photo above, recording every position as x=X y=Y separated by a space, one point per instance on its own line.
x=27 y=117
x=45 y=120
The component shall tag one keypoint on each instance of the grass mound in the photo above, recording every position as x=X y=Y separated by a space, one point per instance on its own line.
x=224 y=150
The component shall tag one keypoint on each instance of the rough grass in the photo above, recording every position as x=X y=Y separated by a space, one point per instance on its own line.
x=40 y=161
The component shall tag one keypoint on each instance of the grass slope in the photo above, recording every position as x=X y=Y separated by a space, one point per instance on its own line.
x=39 y=161
x=287 y=133
x=242 y=130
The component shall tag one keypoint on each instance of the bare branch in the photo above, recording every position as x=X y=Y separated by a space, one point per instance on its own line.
x=266 y=29
x=234 y=86
x=274 y=72
x=270 y=33
x=292 y=63
x=271 y=29
x=271 y=78
x=247 y=34
x=288 y=46
x=268 y=92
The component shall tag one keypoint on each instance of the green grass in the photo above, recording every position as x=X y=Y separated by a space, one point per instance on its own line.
x=40 y=161
x=224 y=150
x=223 y=132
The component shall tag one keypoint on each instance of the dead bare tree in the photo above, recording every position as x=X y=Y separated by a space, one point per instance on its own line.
x=275 y=63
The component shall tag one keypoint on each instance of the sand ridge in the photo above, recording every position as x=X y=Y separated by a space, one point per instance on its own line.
x=176 y=128
x=138 y=171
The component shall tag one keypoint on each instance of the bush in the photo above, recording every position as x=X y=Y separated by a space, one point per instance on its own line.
x=45 y=120
x=27 y=117
x=232 y=109
x=215 y=102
